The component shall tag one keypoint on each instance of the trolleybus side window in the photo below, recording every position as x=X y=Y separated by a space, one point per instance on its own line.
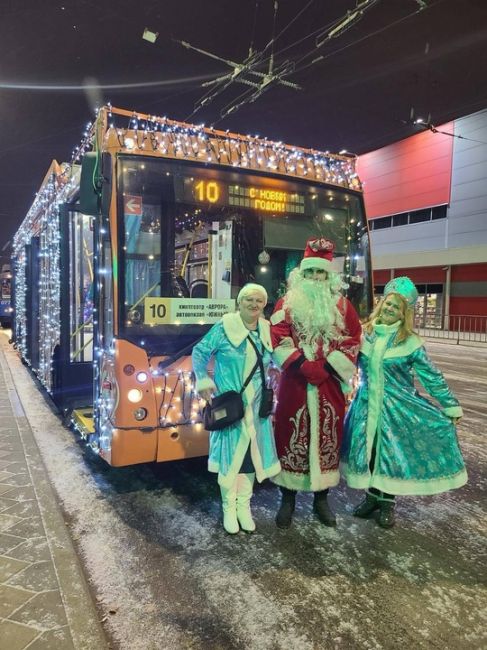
x=193 y=236
x=81 y=287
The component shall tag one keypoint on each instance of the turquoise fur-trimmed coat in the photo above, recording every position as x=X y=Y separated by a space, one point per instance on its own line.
x=417 y=450
x=234 y=359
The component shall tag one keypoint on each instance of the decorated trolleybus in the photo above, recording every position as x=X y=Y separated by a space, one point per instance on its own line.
x=133 y=250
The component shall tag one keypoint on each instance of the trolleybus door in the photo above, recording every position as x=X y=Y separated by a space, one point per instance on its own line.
x=74 y=358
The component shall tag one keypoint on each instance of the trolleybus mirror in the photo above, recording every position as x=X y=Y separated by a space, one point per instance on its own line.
x=95 y=173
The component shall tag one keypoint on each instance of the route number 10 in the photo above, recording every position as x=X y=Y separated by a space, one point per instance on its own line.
x=207 y=191
x=158 y=311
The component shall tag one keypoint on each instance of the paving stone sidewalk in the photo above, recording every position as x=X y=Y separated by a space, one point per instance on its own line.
x=45 y=603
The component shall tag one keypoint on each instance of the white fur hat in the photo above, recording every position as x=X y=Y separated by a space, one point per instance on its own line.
x=250 y=288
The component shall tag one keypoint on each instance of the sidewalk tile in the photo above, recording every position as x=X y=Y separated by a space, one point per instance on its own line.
x=11 y=599
x=31 y=527
x=8 y=542
x=9 y=567
x=18 y=480
x=22 y=509
x=5 y=476
x=22 y=494
x=6 y=488
x=36 y=577
x=45 y=611
x=54 y=640
x=15 y=456
x=15 y=636
x=12 y=465
x=8 y=442
x=32 y=550
x=7 y=521
x=6 y=503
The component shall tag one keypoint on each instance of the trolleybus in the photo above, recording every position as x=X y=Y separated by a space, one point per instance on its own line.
x=134 y=249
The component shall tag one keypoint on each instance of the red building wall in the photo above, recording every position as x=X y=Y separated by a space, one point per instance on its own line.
x=469 y=305
x=408 y=175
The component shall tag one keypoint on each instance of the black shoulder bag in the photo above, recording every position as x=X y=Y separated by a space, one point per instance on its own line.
x=267 y=400
x=228 y=408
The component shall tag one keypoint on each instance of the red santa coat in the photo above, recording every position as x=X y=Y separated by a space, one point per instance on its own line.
x=309 y=419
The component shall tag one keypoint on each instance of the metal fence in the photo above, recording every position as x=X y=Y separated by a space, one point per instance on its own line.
x=462 y=329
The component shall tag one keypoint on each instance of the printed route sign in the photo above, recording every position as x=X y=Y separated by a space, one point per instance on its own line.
x=185 y=311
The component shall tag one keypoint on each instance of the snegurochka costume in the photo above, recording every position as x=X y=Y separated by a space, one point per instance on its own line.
x=250 y=438
x=412 y=443
x=309 y=418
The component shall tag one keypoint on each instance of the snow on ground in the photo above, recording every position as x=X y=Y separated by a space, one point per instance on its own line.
x=165 y=575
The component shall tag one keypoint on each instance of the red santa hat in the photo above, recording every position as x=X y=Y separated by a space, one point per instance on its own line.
x=318 y=254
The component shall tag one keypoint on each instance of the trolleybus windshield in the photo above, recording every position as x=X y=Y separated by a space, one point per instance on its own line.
x=191 y=237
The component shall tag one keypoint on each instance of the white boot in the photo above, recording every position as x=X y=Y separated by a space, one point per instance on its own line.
x=229 y=503
x=245 y=484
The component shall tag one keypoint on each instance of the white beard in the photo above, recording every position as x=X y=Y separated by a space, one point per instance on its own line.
x=313 y=308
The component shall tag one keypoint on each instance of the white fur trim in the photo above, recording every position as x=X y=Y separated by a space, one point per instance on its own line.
x=293 y=481
x=251 y=287
x=342 y=364
x=317 y=480
x=205 y=383
x=282 y=353
x=314 y=263
x=236 y=332
x=376 y=378
x=278 y=316
x=453 y=412
x=265 y=334
x=403 y=487
x=410 y=345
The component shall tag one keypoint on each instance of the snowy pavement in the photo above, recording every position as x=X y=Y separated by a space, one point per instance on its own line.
x=45 y=603
x=165 y=575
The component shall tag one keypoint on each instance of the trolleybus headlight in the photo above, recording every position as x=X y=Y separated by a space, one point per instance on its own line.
x=135 y=316
x=134 y=395
x=140 y=414
x=141 y=377
x=129 y=369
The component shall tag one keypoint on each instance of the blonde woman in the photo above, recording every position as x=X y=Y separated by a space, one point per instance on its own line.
x=397 y=442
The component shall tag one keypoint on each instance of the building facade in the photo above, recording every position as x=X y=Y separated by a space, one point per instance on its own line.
x=426 y=201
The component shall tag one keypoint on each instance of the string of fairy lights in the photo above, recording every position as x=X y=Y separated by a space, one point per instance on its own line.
x=161 y=137
x=42 y=222
x=205 y=144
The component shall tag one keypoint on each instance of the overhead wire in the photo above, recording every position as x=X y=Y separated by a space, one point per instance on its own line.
x=284 y=29
x=228 y=80
x=254 y=24
x=363 y=38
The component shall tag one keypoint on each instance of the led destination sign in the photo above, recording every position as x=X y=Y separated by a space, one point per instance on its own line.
x=262 y=198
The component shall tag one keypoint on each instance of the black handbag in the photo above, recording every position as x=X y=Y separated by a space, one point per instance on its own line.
x=227 y=408
x=224 y=410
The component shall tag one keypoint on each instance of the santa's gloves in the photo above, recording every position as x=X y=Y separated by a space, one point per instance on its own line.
x=314 y=372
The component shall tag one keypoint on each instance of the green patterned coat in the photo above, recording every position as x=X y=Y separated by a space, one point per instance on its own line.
x=416 y=443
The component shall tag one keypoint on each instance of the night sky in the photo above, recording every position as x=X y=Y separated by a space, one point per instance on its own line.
x=358 y=97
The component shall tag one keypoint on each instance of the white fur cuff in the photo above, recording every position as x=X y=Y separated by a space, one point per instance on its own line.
x=204 y=384
x=342 y=364
x=282 y=353
x=453 y=412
